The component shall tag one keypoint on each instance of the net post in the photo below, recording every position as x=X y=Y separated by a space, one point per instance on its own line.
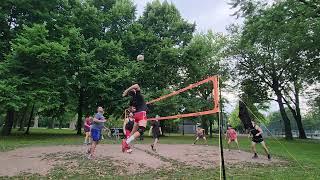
x=217 y=104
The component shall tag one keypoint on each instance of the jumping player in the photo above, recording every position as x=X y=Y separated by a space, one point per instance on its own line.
x=256 y=133
x=86 y=128
x=231 y=134
x=140 y=115
x=128 y=125
x=96 y=128
x=156 y=131
x=200 y=133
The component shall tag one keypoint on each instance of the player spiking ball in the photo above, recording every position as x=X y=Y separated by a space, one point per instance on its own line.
x=140 y=115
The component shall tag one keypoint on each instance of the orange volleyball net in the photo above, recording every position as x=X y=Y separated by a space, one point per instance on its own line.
x=215 y=96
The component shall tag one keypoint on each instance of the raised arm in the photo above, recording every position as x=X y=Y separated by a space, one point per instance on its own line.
x=135 y=86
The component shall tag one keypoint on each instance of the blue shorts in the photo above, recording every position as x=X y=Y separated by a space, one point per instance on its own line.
x=96 y=134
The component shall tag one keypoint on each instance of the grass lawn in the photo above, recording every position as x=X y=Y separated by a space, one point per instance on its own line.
x=305 y=166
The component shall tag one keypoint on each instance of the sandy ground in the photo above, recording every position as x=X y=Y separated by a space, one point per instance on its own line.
x=41 y=159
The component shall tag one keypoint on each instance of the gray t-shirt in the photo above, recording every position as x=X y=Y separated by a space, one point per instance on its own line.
x=98 y=125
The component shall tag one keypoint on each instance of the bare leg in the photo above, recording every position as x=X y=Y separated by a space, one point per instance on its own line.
x=229 y=142
x=253 y=146
x=86 y=139
x=205 y=139
x=154 y=144
x=195 y=140
x=93 y=149
x=265 y=147
x=236 y=141
x=134 y=129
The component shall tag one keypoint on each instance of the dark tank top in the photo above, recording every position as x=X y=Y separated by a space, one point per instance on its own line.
x=254 y=132
x=129 y=125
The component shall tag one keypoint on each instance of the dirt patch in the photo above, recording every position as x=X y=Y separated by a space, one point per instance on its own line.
x=40 y=160
x=205 y=156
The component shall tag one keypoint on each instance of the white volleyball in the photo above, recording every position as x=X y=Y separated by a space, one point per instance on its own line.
x=140 y=57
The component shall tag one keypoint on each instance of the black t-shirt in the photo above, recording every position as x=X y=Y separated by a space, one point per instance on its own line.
x=138 y=102
x=155 y=127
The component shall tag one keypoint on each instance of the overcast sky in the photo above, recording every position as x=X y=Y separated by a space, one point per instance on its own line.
x=208 y=14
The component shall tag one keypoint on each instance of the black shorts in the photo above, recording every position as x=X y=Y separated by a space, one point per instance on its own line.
x=155 y=135
x=257 y=140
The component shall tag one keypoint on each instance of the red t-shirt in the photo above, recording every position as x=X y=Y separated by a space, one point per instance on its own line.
x=232 y=134
x=87 y=123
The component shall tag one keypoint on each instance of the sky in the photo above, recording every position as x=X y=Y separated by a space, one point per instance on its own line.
x=213 y=15
x=208 y=14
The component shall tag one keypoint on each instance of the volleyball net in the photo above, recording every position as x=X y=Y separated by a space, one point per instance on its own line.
x=215 y=99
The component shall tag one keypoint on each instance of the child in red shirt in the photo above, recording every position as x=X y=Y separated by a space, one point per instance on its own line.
x=231 y=134
x=87 y=124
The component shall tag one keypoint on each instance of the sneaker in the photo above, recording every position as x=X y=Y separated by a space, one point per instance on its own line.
x=91 y=157
x=124 y=145
x=129 y=150
x=255 y=156
x=269 y=157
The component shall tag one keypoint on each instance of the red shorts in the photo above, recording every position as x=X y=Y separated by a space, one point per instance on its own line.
x=138 y=116
x=127 y=133
x=141 y=118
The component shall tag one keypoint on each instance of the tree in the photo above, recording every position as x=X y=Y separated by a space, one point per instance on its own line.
x=275 y=57
x=203 y=57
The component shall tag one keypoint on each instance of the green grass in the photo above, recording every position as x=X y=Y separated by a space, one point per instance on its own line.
x=305 y=165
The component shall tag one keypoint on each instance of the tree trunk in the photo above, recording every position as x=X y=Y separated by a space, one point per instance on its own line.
x=287 y=126
x=21 y=122
x=7 y=127
x=80 y=112
x=29 y=122
x=36 y=122
x=204 y=125
x=302 y=134
x=73 y=122
x=15 y=122
x=182 y=127
x=51 y=123
x=210 y=127
x=60 y=123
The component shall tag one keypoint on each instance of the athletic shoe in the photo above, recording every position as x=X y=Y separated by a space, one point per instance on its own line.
x=255 y=156
x=129 y=150
x=91 y=157
x=269 y=157
x=152 y=147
